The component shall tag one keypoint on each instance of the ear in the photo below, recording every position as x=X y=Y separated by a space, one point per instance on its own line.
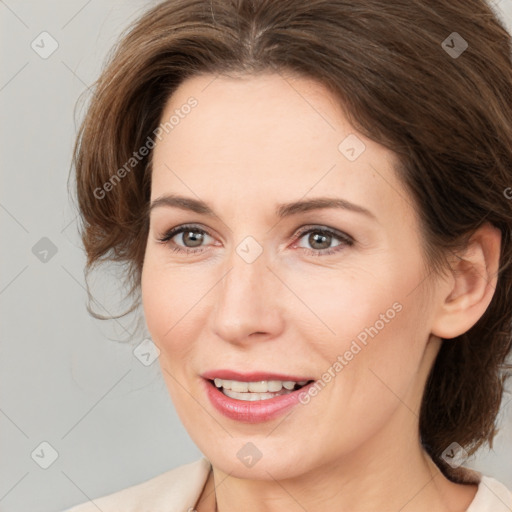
x=466 y=294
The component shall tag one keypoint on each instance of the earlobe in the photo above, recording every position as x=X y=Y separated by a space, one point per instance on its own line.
x=464 y=298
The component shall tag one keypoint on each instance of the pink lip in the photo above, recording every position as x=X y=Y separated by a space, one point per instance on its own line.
x=256 y=411
x=250 y=377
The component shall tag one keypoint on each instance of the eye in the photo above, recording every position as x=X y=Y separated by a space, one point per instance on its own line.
x=320 y=238
x=191 y=235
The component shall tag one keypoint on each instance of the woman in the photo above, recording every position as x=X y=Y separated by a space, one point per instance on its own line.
x=311 y=198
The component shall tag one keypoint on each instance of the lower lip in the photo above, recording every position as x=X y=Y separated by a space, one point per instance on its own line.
x=255 y=411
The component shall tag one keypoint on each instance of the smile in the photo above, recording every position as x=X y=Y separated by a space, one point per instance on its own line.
x=253 y=401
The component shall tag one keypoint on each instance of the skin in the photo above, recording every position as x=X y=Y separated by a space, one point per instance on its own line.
x=251 y=143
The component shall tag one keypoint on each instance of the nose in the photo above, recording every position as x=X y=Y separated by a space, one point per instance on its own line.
x=247 y=302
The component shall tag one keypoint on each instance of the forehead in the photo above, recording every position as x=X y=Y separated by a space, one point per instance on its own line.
x=255 y=114
x=267 y=135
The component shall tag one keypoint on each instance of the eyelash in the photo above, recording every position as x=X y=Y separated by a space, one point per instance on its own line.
x=344 y=238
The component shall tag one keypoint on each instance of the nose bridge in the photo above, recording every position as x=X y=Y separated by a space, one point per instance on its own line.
x=246 y=296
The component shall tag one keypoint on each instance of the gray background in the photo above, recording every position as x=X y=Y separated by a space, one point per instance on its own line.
x=107 y=418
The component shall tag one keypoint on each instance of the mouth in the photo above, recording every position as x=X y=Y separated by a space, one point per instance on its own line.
x=254 y=397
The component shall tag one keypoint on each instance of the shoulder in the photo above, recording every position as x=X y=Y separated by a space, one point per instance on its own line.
x=177 y=489
x=492 y=496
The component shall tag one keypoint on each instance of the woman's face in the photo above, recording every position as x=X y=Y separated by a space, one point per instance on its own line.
x=304 y=293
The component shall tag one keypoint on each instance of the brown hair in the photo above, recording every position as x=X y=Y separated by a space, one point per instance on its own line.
x=448 y=118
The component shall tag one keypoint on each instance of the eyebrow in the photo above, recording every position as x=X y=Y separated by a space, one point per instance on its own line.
x=282 y=210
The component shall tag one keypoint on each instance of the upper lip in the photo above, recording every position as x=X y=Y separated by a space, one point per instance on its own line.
x=252 y=376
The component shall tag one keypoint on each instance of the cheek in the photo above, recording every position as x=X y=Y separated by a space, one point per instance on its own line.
x=345 y=306
x=373 y=329
x=164 y=297
x=381 y=356
x=173 y=301
x=155 y=300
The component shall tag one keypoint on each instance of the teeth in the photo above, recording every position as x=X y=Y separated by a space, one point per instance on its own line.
x=239 y=387
x=252 y=397
x=262 y=386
